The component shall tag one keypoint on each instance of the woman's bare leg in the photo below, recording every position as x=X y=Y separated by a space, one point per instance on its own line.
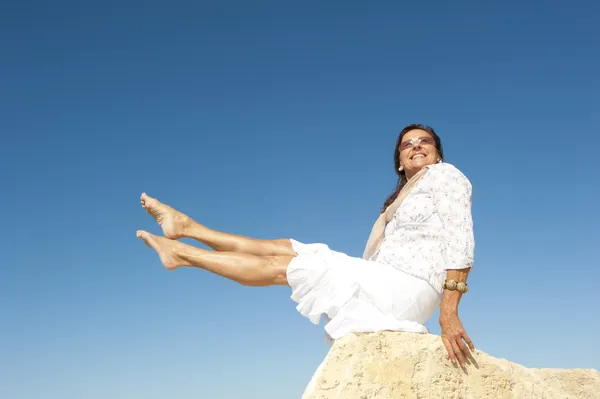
x=177 y=225
x=246 y=269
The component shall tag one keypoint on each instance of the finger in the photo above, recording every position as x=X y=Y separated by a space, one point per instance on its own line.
x=461 y=344
x=468 y=341
x=450 y=351
x=458 y=353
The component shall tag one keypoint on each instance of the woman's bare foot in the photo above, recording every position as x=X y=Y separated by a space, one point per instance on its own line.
x=164 y=247
x=173 y=222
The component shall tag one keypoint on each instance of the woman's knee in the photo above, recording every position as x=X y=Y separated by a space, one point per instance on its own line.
x=269 y=270
x=283 y=246
x=276 y=269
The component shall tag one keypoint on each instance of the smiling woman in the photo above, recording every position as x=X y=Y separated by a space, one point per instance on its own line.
x=417 y=257
x=411 y=137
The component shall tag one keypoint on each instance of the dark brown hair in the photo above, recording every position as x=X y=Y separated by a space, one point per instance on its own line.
x=401 y=174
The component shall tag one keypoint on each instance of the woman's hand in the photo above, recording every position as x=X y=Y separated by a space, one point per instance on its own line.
x=454 y=337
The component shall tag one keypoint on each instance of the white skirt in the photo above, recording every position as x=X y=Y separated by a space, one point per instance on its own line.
x=356 y=295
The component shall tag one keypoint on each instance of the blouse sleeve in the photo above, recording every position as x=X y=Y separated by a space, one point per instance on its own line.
x=452 y=195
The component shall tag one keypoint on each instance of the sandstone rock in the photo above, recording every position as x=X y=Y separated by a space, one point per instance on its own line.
x=407 y=365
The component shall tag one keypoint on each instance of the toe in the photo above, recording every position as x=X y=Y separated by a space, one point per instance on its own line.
x=149 y=239
x=146 y=197
x=148 y=201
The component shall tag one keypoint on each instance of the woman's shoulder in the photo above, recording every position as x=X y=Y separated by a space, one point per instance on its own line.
x=446 y=168
x=448 y=173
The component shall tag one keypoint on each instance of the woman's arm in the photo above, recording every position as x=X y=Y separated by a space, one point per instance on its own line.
x=452 y=196
x=453 y=332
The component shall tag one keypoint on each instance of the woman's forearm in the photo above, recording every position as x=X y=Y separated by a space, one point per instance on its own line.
x=451 y=299
x=454 y=336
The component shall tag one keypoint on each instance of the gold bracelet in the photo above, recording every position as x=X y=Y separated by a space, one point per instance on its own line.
x=453 y=285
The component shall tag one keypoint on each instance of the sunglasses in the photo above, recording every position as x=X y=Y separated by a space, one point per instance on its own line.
x=419 y=140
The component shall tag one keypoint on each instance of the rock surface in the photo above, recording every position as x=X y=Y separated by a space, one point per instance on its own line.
x=407 y=365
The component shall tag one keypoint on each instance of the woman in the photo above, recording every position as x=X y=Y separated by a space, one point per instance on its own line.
x=417 y=258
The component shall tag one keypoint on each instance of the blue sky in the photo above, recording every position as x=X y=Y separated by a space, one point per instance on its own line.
x=278 y=119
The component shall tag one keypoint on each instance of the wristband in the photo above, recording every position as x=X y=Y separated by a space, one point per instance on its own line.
x=453 y=285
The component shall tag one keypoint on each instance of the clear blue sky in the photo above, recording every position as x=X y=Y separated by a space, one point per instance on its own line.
x=278 y=119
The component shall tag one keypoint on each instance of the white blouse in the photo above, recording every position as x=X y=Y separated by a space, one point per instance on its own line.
x=432 y=230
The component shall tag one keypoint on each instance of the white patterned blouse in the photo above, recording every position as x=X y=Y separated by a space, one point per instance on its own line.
x=432 y=230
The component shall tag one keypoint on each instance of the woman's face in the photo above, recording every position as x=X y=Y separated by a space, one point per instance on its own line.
x=417 y=149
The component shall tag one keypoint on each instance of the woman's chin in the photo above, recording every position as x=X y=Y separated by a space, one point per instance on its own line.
x=418 y=164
